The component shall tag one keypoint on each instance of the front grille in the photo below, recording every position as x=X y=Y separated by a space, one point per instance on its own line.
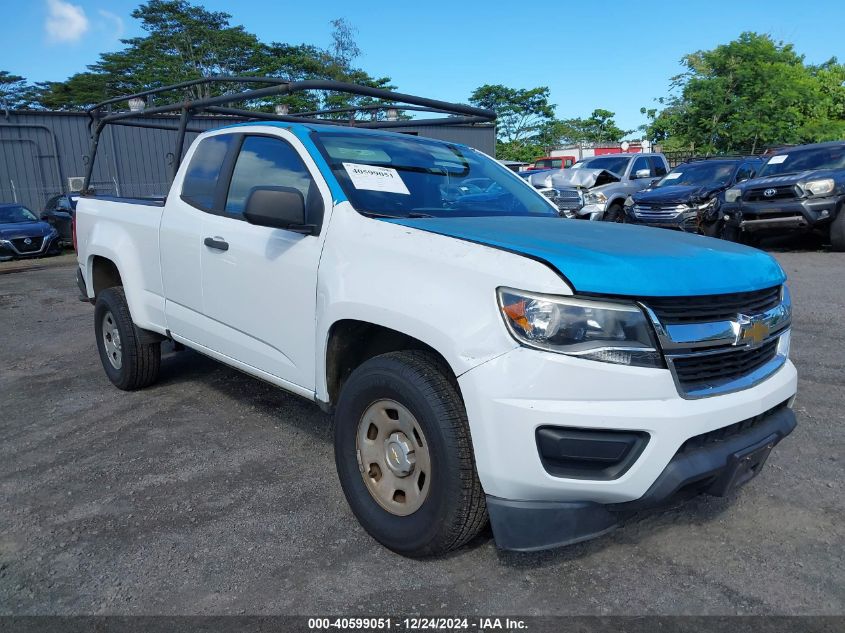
x=658 y=212
x=23 y=247
x=727 y=432
x=709 y=308
x=758 y=194
x=706 y=370
x=550 y=193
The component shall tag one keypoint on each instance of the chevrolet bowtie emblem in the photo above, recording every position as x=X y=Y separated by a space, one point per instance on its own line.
x=750 y=331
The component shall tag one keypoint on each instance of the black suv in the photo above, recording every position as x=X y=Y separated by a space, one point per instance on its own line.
x=799 y=189
x=690 y=196
x=59 y=212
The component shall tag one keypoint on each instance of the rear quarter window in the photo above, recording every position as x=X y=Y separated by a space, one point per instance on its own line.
x=199 y=186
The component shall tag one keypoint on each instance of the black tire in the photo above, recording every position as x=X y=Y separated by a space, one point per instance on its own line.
x=837 y=231
x=730 y=233
x=454 y=510
x=712 y=229
x=614 y=213
x=139 y=362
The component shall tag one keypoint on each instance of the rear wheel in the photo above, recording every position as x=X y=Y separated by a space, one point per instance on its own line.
x=128 y=363
x=404 y=455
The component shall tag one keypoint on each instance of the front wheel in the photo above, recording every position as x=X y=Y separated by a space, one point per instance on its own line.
x=614 y=213
x=128 y=363
x=404 y=455
x=837 y=231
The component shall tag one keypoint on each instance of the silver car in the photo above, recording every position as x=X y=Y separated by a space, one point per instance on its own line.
x=596 y=187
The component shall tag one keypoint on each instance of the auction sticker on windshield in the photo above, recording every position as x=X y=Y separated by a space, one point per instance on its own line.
x=674 y=175
x=777 y=160
x=375 y=178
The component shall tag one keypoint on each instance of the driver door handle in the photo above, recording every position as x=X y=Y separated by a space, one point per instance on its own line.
x=217 y=243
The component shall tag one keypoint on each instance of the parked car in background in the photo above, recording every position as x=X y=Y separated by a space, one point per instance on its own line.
x=552 y=162
x=59 y=212
x=24 y=235
x=597 y=187
x=690 y=196
x=798 y=189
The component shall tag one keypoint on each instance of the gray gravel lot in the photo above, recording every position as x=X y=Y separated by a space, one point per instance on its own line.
x=212 y=492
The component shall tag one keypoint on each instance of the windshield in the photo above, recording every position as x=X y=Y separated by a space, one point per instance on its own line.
x=805 y=159
x=616 y=164
x=14 y=215
x=411 y=177
x=698 y=175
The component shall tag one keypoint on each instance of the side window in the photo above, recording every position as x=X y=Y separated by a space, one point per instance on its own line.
x=268 y=162
x=202 y=177
x=745 y=172
x=51 y=203
x=557 y=163
x=640 y=163
x=63 y=204
x=659 y=167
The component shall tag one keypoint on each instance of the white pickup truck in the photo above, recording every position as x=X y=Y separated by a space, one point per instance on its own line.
x=482 y=357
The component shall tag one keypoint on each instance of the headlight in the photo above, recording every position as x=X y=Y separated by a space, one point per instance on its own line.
x=706 y=205
x=593 y=330
x=629 y=202
x=819 y=187
x=595 y=198
x=732 y=195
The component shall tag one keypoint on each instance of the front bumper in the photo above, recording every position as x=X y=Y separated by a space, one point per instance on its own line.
x=716 y=467
x=513 y=395
x=781 y=215
x=15 y=249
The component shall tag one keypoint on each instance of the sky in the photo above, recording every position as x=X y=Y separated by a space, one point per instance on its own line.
x=614 y=55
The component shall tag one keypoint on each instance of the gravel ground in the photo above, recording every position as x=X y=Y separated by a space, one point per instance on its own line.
x=215 y=493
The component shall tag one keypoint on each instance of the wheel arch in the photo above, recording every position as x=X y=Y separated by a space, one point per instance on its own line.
x=351 y=342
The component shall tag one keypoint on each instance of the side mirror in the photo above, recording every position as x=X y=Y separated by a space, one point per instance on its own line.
x=654 y=182
x=277 y=207
x=642 y=173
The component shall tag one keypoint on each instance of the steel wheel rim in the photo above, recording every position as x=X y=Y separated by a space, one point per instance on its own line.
x=393 y=457
x=111 y=340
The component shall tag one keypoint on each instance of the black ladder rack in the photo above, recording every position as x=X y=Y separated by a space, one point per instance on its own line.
x=101 y=114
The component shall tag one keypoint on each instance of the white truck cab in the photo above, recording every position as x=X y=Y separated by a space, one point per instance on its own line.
x=483 y=358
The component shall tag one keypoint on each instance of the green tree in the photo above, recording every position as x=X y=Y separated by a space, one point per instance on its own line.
x=748 y=94
x=521 y=116
x=14 y=91
x=184 y=41
x=599 y=127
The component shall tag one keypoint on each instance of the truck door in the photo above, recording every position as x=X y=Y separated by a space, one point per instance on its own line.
x=180 y=238
x=259 y=284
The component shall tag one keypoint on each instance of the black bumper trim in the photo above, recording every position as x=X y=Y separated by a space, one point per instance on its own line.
x=527 y=526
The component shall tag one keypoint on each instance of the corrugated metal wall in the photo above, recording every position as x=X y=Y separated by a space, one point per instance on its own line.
x=39 y=151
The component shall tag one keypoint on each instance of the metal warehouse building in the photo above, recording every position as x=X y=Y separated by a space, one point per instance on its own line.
x=45 y=153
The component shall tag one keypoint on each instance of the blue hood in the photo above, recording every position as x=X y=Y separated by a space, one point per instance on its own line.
x=617 y=259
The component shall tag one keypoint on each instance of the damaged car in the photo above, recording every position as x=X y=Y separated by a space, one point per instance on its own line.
x=799 y=190
x=596 y=188
x=690 y=197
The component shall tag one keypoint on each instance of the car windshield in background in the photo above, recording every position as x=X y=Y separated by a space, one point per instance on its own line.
x=805 y=159
x=15 y=215
x=410 y=177
x=616 y=164
x=699 y=175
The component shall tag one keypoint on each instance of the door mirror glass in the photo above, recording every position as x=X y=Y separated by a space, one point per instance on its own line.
x=277 y=207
